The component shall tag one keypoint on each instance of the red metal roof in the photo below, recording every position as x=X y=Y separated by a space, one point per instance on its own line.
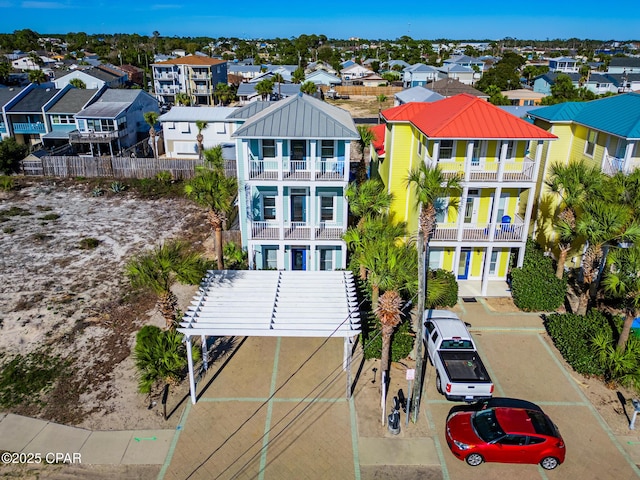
x=464 y=116
x=378 y=138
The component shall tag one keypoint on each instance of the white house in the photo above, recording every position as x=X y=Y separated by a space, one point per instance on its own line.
x=354 y=72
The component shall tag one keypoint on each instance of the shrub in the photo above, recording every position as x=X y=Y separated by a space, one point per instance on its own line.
x=235 y=258
x=164 y=176
x=6 y=183
x=535 y=287
x=401 y=342
x=619 y=366
x=573 y=336
x=89 y=243
x=50 y=216
x=11 y=153
x=117 y=187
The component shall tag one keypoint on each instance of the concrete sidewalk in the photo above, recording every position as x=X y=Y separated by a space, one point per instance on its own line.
x=62 y=444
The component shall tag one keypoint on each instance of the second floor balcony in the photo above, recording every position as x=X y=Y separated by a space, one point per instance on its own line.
x=29 y=127
x=320 y=169
x=273 y=230
x=481 y=232
x=484 y=171
x=93 y=137
x=612 y=165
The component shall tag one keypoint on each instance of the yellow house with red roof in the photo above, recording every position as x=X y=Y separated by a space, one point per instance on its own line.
x=488 y=149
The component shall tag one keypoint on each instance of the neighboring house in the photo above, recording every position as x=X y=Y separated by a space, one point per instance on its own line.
x=134 y=74
x=523 y=97
x=353 y=73
x=600 y=84
x=488 y=150
x=466 y=61
x=247 y=91
x=448 y=87
x=463 y=74
x=624 y=65
x=320 y=66
x=247 y=72
x=179 y=129
x=373 y=80
x=396 y=65
x=94 y=78
x=193 y=75
x=321 y=77
x=60 y=116
x=416 y=94
x=293 y=169
x=419 y=75
x=625 y=82
x=8 y=96
x=25 y=114
x=115 y=121
x=543 y=83
x=604 y=133
x=28 y=63
x=563 y=65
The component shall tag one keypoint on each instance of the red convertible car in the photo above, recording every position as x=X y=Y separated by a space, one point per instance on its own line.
x=504 y=430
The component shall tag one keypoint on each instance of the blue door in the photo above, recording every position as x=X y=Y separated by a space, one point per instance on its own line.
x=463 y=265
x=298 y=259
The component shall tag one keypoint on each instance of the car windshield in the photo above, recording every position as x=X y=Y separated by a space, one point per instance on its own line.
x=542 y=424
x=486 y=425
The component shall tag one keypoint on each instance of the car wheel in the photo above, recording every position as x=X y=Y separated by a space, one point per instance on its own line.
x=438 y=385
x=549 y=463
x=474 y=459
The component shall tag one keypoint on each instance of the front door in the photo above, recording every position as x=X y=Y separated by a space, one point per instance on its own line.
x=463 y=264
x=298 y=208
x=471 y=207
x=298 y=259
x=298 y=149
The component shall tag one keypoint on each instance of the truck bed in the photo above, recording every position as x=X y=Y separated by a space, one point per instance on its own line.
x=464 y=366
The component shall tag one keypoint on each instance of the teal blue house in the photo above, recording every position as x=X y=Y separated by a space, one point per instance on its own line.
x=293 y=168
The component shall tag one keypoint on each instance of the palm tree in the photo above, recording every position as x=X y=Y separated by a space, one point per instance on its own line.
x=368 y=199
x=389 y=312
x=76 y=82
x=152 y=119
x=183 y=99
x=381 y=99
x=602 y=224
x=212 y=189
x=366 y=137
x=264 y=88
x=309 y=88
x=279 y=79
x=200 y=125
x=571 y=184
x=298 y=75
x=223 y=93
x=37 y=76
x=160 y=268
x=623 y=281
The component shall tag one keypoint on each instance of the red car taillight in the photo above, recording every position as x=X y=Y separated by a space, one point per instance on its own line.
x=448 y=388
x=560 y=444
x=492 y=385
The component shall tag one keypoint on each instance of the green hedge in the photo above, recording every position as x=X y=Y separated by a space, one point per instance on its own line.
x=534 y=287
x=573 y=335
x=401 y=342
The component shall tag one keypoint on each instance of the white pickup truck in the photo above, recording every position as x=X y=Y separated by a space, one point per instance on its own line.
x=460 y=373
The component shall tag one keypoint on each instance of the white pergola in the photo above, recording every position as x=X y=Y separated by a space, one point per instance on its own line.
x=273 y=304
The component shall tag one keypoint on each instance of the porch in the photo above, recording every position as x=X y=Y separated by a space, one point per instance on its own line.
x=473 y=288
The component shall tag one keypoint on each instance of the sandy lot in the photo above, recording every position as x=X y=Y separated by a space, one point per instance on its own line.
x=71 y=301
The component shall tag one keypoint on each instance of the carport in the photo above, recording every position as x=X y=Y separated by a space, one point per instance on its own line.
x=273 y=304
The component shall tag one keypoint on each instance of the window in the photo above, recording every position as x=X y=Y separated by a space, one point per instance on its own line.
x=420 y=146
x=493 y=262
x=510 y=150
x=326 y=259
x=475 y=154
x=268 y=207
x=270 y=258
x=326 y=208
x=536 y=440
x=327 y=149
x=513 y=440
x=268 y=148
x=446 y=150
x=590 y=146
x=430 y=327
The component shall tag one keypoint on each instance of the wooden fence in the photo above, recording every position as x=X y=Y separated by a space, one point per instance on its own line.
x=365 y=91
x=115 y=167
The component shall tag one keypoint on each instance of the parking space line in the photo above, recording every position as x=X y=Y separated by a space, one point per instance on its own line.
x=436 y=442
x=354 y=437
x=267 y=423
x=496 y=385
x=590 y=406
x=174 y=441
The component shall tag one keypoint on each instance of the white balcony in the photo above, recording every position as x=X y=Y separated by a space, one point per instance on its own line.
x=270 y=230
x=321 y=170
x=612 y=165
x=501 y=232
x=483 y=171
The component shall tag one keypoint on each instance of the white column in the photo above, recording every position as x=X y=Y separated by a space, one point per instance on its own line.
x=314 y=217
x=245 y=160
x=503 y=156
x=279 y=158
x=436 y=151
x=493 y=220
x=627 y=156
x=463 y=206
x=313 y=152
x=484 y=284
x=456 y=260
x=527 y=217
x=281 y=254
x=467 y=161
x=205 y=352
x=537 y=162
x=347 y=159
x=192 y=380
x=280 y=208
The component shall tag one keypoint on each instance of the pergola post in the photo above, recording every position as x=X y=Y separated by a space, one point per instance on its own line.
x=192 y=380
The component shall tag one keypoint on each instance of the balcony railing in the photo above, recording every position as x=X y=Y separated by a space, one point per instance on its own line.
x=612 y=165
x=167 y=90
x=512 y=171
x=295 y=231
x=165 y=76
x=327 y=170
x=37 y=127
x=502 y=232
x=89 y=137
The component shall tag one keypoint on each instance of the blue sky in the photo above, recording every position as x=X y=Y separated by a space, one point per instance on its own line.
x=372 y=19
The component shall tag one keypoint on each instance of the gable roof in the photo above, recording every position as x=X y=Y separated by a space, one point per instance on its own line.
x=34 y=100
x=550 y=77
x=624 y=62
x=193 y=114
x=7 y=94
x=300 y=116
x=192 y=60
x=464 y=116
x=618 y=115
x=420 y=67
x=451 y=86
x=418 y=94
x=249 y=110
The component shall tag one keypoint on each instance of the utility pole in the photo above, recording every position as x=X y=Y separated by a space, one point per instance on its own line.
x=422 y=290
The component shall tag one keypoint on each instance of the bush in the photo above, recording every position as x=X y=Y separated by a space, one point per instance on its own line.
x=450 y=297
x=573 y=336
x=6 y=183
x=535 y=287
x=401 y=342
x=11 y=153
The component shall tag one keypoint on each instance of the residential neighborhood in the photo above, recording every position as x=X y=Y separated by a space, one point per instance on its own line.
x=217 y=241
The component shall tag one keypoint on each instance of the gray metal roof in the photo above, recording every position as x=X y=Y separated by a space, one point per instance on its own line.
x=192 y=114
x=34 y=100
x=101 y=74
x=300 y=116
x=249 y=110
x=418 y=94
x=103 y=110
x=121 y=95
x=72 y=101
x=57 y=135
